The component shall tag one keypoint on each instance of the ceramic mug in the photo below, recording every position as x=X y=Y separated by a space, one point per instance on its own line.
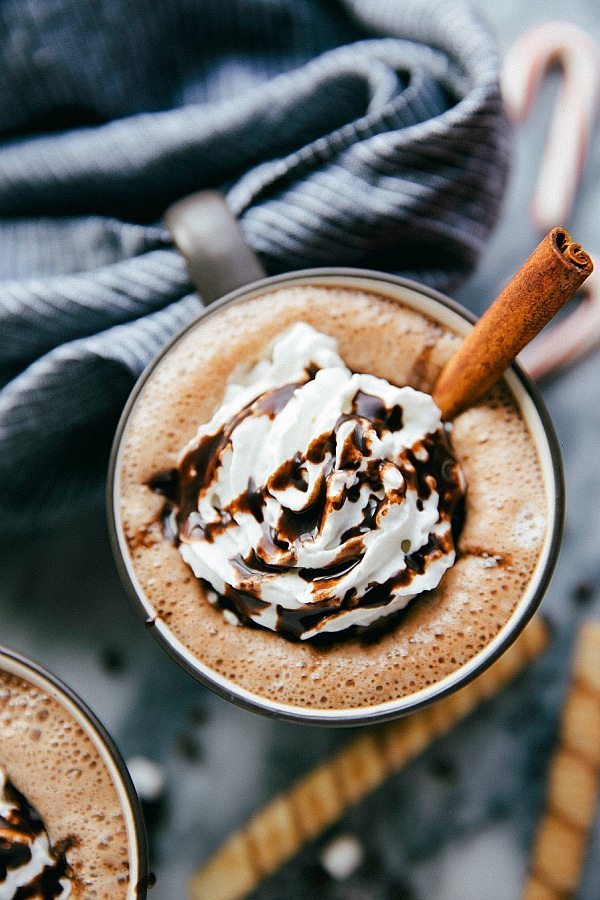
x=227 y=274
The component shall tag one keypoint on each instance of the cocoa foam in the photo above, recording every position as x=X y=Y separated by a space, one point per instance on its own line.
x=500 y=544
x=51 y=759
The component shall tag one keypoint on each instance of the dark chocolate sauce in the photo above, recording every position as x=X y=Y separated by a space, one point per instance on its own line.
x=243 y=603
x=293 y=623
x=352 y=494
x=24 y=826
x=271 y=402
x=13 y=854
x=458 y=518
x=289 y=474
x=369 y=407
x=305 y=524
x=182 y=486
x=354 y=449
x=373 y=408
x=330 y=573
x=416 y=561
x=275 y=552
x=212 y=529
x=394 y=419
x=253 y=566
x=272 y=542
x=367 y=522
x=166 y=483
x=438 y=472
x=378 y=594
x=198 y=467
x=45 y=885
x=320 y=447
x=251 y=501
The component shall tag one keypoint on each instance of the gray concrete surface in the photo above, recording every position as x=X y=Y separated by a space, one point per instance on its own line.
x=456 y=824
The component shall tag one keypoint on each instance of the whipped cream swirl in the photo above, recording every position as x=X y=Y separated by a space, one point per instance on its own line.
x=316 y=499
x=29 y=866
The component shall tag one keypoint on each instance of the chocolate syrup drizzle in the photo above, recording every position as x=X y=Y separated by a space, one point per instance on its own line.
x=426 y=467
x=19 y=829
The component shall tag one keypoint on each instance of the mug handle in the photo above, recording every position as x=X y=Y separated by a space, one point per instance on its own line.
x=219 y=260
x=211 y=241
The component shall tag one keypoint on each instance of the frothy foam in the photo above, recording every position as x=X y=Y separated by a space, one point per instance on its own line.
x=52 y=761
x=435 y=635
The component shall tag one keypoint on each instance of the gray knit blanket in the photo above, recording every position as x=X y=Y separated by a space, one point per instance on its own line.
x=342 y=133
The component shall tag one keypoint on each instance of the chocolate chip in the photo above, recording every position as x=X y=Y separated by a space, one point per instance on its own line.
x=112 y=660
x=584 y=592
x=443 y=768
x=189 y=748
x=198 y=715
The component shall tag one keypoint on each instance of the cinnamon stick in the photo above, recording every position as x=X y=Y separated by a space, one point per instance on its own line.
x=551 y=275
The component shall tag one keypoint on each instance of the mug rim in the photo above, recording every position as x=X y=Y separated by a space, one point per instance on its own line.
x=56 y=684
x=351 y=716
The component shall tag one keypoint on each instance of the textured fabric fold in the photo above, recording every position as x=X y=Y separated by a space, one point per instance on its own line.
x=342 y=133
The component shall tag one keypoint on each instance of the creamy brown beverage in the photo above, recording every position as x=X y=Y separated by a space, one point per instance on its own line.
x=65 y=830
x=215 y=552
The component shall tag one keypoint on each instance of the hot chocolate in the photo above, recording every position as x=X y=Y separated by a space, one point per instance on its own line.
x=505 y=528
x=64 y=830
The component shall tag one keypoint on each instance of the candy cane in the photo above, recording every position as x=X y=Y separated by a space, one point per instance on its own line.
x=561 y=166
x=526 y=64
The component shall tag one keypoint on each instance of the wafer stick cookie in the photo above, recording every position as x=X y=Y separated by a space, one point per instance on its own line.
x=573 y=781
x=318 y=799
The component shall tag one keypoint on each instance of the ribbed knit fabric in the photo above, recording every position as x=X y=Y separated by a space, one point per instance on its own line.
x=348 y=133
